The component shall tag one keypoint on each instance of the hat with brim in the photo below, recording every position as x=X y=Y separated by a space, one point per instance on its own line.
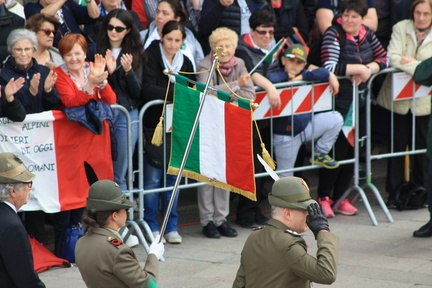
x=106 y=195
x=296 y=51
x=290 y=192
x=13 y=171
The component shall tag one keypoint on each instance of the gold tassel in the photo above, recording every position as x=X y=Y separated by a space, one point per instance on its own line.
x=267 y=158
x=157 y=135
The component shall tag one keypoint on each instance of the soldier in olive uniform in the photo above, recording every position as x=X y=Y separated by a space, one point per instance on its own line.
x=102 y=258
x=281 y=249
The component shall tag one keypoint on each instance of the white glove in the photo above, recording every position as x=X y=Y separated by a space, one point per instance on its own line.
x=157 y=248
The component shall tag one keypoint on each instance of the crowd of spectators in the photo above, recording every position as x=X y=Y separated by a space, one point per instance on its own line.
x=63 y=54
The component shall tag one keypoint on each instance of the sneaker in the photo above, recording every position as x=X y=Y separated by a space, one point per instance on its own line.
x=325 y=203
x=325 y=160
x=155 y=234
x=132 y=240
x=173 y=237
x=345 y=208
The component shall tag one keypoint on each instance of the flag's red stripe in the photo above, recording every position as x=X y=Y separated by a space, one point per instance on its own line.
x=74 y=145
x=238 y=138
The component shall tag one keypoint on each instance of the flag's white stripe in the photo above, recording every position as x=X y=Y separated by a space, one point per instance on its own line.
x=212 y=139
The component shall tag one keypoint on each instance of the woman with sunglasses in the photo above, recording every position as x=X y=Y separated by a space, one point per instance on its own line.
x=119 y=40
x=168 y=10
x=161 y=54
x=46 y=28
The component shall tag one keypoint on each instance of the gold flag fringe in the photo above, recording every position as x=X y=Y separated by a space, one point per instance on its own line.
x=198 y=177
x=157 y=135
x=267 y=158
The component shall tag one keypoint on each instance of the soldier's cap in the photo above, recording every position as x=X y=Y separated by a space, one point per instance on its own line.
x=296 y=51
x=106 y=195
x=290 y=192
x=12 y=170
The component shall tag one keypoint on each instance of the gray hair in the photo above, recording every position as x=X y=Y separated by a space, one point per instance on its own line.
x=276 y=211
x=5 y=190
x=20 y=34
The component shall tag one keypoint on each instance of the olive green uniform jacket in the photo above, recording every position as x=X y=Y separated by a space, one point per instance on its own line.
x=105 y=262
x=423 y=76
x=274 y=257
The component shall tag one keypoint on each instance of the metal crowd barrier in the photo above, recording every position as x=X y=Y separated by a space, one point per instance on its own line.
x=283 y=88
x=369 y=157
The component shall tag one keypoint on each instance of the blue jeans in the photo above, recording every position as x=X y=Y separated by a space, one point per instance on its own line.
x=153 y=178
x=121 y=134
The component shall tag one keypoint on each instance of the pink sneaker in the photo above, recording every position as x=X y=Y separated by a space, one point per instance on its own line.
x=325 y=203
x=345 y=208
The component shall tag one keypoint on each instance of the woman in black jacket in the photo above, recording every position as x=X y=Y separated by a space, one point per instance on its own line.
x=162 y=54
x=119 y=41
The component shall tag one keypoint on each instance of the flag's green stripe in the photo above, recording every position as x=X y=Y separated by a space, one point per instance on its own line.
x=223 y=96
x=200 y=86
x=243 y=103
x=181 y=79
x=186 y=103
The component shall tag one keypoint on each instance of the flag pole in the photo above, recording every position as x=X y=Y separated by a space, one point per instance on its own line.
x=189 y=143
x=263 y=58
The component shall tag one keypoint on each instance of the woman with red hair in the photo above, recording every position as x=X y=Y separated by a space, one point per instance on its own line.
x=79 y=81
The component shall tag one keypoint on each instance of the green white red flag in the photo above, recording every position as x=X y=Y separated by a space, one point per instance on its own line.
x=221 y=152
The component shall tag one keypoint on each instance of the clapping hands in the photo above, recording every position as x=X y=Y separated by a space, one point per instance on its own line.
x=97 y=73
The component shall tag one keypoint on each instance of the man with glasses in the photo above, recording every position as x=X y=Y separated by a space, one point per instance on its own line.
x=276 y=255
x=16 y=260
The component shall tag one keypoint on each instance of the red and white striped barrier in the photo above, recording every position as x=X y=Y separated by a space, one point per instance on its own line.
x=295 y=100
x=403 y=87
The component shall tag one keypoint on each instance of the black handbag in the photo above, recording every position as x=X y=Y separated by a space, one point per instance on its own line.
x=155 y=154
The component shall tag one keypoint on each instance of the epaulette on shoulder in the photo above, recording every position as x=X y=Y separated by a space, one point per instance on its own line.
x=114 y=241
x=289 y=231
x=258 y=228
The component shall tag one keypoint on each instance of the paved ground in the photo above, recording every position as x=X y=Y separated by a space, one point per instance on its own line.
x=370 y=256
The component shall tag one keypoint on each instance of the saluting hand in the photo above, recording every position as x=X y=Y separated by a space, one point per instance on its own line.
x=316 y=220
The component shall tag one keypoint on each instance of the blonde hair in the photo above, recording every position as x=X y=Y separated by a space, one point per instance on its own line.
x=223 y=33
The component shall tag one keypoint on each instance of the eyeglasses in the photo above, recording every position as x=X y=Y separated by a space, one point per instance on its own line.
x=30 y=184
x=48 y=32
x=264 y=32
x=118 y=29
x=21 y=50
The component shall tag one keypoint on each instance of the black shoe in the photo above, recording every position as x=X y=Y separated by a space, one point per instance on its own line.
x=226 y=230
x=424 y=231
x=248 y=224
x=210 y=231
x=260 y=219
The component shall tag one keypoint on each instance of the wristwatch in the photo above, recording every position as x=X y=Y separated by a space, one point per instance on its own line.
x=89 y=1
x=370 y=69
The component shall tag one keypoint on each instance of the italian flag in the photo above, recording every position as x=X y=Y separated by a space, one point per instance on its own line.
x=221 y=152
x=55 y=149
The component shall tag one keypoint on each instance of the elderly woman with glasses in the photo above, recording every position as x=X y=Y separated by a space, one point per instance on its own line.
x=38 y=93
x=45 y=27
